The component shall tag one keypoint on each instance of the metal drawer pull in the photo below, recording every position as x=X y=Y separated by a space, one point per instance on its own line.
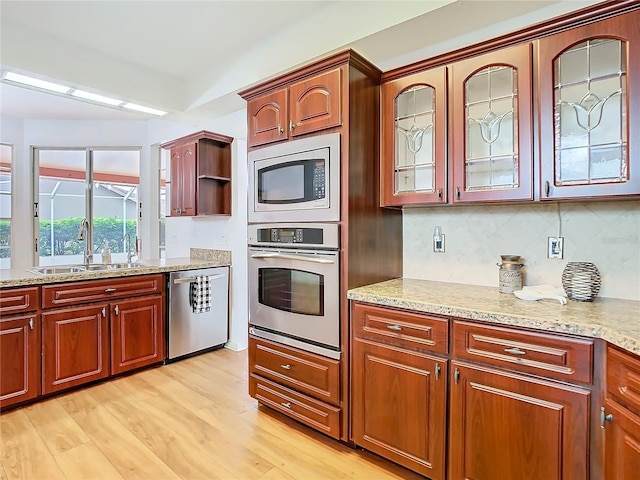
x=515 y=351
x=437 y=371
x=286 y=367
x=604 y=417
x=110 y=290
x=104 y=312
x=31 y=323
x=456 y=376
x=397 y=328
x=286 y=404
x=117 y=310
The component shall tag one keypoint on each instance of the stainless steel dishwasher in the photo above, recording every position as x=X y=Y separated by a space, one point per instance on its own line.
x=189 y=332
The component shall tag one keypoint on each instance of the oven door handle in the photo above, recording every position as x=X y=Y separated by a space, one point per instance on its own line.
x=289 y=256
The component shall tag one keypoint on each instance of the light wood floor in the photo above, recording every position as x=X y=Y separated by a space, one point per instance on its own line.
x=192 y=419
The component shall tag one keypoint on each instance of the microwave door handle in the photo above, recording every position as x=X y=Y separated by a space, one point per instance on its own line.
x=300 y=258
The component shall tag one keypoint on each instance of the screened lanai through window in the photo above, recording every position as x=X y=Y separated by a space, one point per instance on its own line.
x=100 y=185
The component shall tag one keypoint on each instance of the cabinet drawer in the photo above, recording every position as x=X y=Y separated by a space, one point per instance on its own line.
x=623 y=378
x=311 y=412
x=72 y=293
x=400 y=328
x=563 y=358
x=18 y=300
x=306 y=372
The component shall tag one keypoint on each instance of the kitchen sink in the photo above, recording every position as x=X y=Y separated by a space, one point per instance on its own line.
x=93 y=267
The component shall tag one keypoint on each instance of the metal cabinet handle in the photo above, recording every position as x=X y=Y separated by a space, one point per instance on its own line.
x=280 y=129
x=104 y=312
x=458 y=193
x=116 y=310
x=292 y=126
x=605 y=417
x=439 y=193
x=31 y=323
x=547 y=188
x=515 y=351
x=456 y=376
x=286 y=404
x=110 y=290
x=437 y=371
x=286 y=367
x=397 y=328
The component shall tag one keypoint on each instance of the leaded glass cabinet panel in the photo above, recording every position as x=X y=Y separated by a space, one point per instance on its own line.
x=491 y=127
x=413 y=139
x=589 y=131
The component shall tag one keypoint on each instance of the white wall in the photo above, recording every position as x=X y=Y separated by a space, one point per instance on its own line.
x=605 y=233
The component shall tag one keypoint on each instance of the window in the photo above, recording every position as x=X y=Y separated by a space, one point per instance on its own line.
x=6 y=153
x=100 y=185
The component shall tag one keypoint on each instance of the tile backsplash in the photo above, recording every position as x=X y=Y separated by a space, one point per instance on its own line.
x=604 y=233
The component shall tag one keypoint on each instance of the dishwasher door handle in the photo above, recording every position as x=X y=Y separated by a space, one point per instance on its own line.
x=290 y=256
x=178 y=281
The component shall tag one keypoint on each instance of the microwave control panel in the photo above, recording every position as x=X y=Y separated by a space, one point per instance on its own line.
x=318 y=181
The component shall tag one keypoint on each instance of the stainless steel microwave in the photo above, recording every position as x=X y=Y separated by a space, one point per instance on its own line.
x=297 y=181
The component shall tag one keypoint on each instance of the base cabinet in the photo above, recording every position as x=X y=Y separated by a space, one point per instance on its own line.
x=19 y=358
x=75 y=347
x=399 y=406
x=505 y=425
x=622 y=443
x=137 y=333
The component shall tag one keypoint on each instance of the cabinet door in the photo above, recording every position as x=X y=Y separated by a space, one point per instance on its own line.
x=492 y=126
x=268 y=116
x=19 y=358
x=316 y=103
x=75 y=347
x=589 y=128
x=399 y=406
x=413 y=139
x=137 y=333
x=183 y=180
x=622 y=443
x=505 y=425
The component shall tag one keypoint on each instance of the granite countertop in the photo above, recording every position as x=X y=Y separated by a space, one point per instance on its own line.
x=200 y=258
x=614 y=320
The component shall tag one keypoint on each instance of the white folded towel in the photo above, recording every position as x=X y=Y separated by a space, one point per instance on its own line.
x=538 y=292
x=200 y=294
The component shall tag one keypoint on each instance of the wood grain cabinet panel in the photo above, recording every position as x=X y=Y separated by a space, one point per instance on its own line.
x=73 y=293
x=75 y=347
x=137 y=333
x=623 y=378
x=316 y=102
x=399 y=406
x=19 y=300
x=303 y=371
x=504 y=426
x=19 y=358
x=622 y=443
x=183 y=180
x=564 y=358
x=268 y=117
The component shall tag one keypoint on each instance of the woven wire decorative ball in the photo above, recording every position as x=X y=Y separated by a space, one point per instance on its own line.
x=581 y=281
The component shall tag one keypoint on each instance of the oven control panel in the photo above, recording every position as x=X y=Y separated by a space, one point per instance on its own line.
x=319 y=235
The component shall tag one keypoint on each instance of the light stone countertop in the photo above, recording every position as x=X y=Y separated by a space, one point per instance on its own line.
x=614 y=320
x=199 y=259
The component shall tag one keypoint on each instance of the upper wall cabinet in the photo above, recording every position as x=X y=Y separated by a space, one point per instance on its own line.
x=491 y=126
x=200 y=174
x=414 y=139
x=589 y=83
x=308 y=105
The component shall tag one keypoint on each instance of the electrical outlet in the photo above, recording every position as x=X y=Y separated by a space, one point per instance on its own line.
x=438 y=244
x=555 y=247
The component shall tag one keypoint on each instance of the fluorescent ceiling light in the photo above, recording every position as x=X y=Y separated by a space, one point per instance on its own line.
x=140 y=108
x=35 y=82
x=96 y=98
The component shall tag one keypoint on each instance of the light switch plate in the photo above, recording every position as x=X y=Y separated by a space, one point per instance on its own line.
x=555 y=247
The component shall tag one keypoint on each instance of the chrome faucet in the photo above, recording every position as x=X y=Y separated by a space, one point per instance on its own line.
x=83 y=234
x=127 y=242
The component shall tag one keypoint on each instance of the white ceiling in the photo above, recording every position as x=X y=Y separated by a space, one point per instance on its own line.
x=192 y=57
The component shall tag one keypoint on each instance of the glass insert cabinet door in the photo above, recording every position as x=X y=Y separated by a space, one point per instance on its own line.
x=589 y=134
x=491 y=126
x=413 y=139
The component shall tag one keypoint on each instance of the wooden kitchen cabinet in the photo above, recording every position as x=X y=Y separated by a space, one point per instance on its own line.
x=75 y=346
x=399 y=387
x=414 y=161
x=137 y=333
x=307 y=105
x=200 y=174
x=505 y=425
x=620 y=416
x=589 y=91
x=491 y=126
x=19 y=345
